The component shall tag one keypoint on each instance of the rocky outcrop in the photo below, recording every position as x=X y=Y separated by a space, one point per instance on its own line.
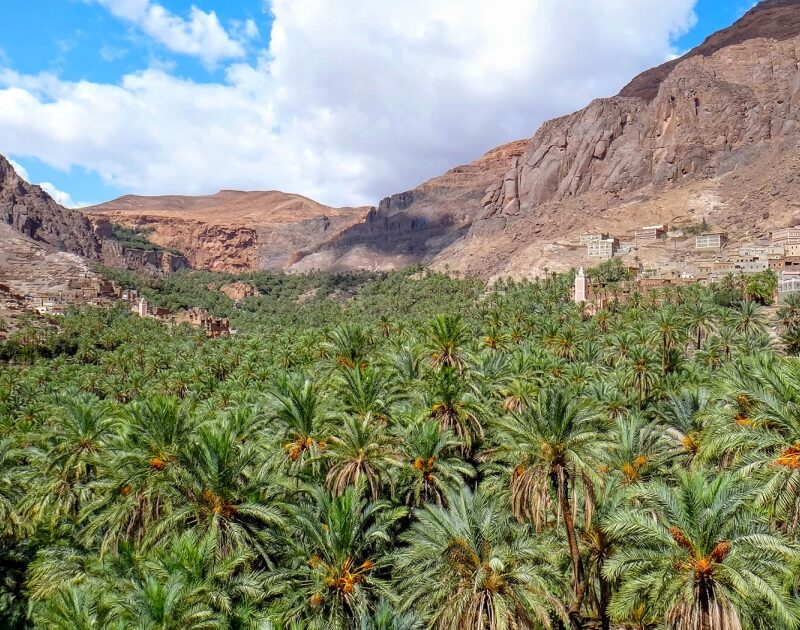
x=32 y=212
x=117 y=255
x=415 y=225
x=709 y=115
x=238 y=290
x=771 y=19
x=231 y=231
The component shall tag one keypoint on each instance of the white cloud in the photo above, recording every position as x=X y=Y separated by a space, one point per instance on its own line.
x=64 y=198
x=346 y=105
x=201 y=35
x=21 y=170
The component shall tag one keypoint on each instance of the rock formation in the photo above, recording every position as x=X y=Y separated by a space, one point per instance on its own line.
x=32 y=212
x=237 y=290
x=717 y=123
x=415 y=225
x=231 y=230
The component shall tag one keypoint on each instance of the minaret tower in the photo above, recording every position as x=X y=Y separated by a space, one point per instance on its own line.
x=581 y=289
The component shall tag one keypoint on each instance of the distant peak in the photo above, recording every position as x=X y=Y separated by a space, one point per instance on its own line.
x=772 y=19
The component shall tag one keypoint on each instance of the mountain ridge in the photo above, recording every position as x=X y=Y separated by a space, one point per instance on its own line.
x=699 y=135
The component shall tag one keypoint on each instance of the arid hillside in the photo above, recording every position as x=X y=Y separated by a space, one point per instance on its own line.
x=716 y=142
x=232 y=230
x=707 y=139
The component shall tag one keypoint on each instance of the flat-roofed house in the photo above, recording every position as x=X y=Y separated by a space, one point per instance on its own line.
x=710 y=240
x=786 y=236
x=650 y=233
x=604 y=248
x=585 y=239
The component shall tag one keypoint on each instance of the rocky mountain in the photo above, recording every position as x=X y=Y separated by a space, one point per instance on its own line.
x=32 y=212
x=712 y=135
x=709 y=137
x=232 y=230
x=415 y=225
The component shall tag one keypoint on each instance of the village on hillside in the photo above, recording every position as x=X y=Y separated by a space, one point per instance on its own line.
x=679 y=257
x=92 y=290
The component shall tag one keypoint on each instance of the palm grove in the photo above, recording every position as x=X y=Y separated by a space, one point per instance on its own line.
x=405 y=451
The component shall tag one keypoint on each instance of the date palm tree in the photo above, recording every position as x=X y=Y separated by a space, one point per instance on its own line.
x=454 y=407
x=76 y=444
x=699 y=559
x=336 y=553
x=296 y=405
x=432 y=467
x=469 y=567
x=362 y=451
x=555 y=445
x=447 y=337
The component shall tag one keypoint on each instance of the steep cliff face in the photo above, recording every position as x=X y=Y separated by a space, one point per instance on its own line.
x=705 y=111
x=32 y=212
x=232 y=230
x=720 y=122
x=415 y=225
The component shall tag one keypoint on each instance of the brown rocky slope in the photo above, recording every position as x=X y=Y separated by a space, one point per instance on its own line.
x=717 y=139
x=232 y=230
x=32 y=212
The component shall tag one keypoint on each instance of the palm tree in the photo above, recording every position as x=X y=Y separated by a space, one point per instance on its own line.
x=447 y=336
x=363 y=391
x=75 y=608
x=336 y=552
x=361 y=452
x=682 y=420
x=640 y=373
x=667 y=333
x=145 y=474
x=698 y=558
x=748 y=320
x=431 y=468
x=11 y=490
x=76 y=446
x=163 y=605
x=224 y=494
x=701 y=321
x=554 y=444
x=299 y=409
x=455 y=408
x=468 y=567
x=758 y=426
x=349 y=344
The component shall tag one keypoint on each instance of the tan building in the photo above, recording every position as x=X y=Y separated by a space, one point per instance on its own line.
x=792 y=249
x=710 y=240
x=786 y=236
x=650 y=233
x=779 y=264
x=592 y=238
x=772 y=252
x=604 y=248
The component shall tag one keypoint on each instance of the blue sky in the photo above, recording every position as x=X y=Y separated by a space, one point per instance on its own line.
x=343 y=107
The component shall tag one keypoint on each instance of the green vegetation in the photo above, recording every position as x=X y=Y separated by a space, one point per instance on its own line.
x=137 y=239
x=403 y=451
x=697 y=228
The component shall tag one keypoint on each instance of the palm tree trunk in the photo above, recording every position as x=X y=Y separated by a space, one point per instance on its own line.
x=605 y=598
x=578 y=579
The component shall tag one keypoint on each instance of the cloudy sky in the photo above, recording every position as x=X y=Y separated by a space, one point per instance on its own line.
x=345 y=101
